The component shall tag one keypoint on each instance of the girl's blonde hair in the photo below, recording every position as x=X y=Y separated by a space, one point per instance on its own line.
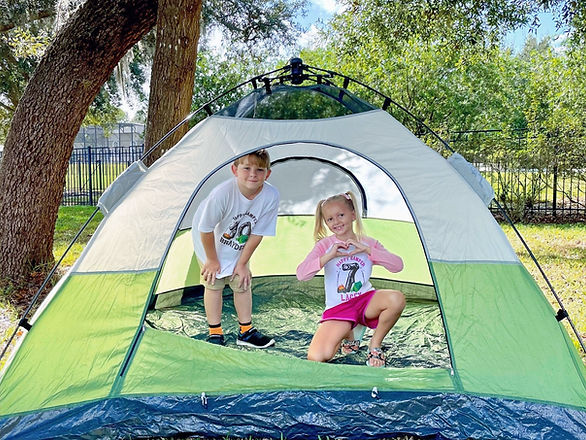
x=320 y=230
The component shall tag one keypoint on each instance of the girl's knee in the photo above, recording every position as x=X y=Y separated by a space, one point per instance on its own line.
x=399 y=299
x=319 y=355
x=396 y=300
x=312 y=356
x=316 y=357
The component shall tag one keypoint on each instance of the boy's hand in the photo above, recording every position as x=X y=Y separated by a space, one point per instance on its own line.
x=242 y=271
x=210 y=269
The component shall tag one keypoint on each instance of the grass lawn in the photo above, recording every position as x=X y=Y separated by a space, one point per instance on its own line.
x=69 y=222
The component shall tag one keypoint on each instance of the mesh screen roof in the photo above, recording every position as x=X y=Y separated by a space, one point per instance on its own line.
x=303 y=102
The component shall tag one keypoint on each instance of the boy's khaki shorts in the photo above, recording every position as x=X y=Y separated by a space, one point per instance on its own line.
x=221 y=282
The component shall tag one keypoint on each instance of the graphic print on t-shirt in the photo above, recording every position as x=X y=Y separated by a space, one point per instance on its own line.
x=238 y=231
x=350 y=276
x=349 y=270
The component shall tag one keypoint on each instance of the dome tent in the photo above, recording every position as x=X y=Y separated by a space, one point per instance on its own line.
x=97 y=363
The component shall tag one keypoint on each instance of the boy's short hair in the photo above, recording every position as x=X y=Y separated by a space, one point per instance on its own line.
x=261 y=157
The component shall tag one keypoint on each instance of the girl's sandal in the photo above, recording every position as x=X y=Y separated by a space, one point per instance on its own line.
x=375 y=353
x=349 y=347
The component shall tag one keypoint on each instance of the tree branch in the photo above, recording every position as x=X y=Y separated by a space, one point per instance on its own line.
x=38 y=15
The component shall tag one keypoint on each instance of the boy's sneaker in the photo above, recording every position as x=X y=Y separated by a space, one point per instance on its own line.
x=254 y=338
x=216 y=339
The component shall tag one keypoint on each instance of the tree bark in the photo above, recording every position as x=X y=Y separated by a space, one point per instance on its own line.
x=47 y=119
x=173 y=73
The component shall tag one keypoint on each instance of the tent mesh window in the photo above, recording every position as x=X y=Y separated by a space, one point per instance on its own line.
x=289 y=102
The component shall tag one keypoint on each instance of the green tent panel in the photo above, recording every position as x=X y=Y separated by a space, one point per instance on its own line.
x=89 y=326
x=525 y=331
x=169 y=363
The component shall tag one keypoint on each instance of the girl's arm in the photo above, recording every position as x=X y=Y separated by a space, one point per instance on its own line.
x=312 y=264
x=379 y=255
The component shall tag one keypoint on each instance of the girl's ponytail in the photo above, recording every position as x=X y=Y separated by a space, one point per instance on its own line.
x=319 y=230
x=359 y=230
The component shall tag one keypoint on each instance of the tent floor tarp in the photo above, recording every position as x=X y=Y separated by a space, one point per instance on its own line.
x=289 y=310
x=302 y=415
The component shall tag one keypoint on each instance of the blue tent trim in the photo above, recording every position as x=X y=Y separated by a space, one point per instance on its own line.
x=301 y=415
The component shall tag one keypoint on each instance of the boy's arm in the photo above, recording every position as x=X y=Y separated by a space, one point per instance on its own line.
x=211 y=267
x=241 y=268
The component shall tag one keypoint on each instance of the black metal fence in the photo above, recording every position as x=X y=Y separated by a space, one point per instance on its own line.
x=533 y=177
x=552 y=190
x=528 y=193
x=92 y=169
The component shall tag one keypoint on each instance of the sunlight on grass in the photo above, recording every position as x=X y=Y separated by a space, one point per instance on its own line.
x=8 y=318
x=69 y=222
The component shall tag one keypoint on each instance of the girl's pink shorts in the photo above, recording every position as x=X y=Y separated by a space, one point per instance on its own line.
x=353 y=311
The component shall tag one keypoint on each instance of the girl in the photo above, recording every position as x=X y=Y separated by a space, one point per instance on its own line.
x=347 y=258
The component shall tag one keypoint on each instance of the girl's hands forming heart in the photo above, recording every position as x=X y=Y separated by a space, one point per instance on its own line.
x=355 y=247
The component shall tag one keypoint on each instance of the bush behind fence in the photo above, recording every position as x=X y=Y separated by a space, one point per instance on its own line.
x=552 y=190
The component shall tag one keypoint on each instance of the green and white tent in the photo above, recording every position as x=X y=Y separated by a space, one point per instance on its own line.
x=117 y=350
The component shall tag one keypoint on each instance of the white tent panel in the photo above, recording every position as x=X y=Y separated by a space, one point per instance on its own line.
x=302 y=182
x=452 y=218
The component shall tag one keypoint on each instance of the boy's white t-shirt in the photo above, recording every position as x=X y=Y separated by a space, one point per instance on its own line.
x=233 y=218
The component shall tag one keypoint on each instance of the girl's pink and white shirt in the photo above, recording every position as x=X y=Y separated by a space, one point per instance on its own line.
x=349 y=276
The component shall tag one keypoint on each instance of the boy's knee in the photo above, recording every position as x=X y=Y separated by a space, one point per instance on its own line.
x=208 y=291
x=246 y=292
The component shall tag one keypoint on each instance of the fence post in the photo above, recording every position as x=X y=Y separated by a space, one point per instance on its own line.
x=80 y=162
x=89 y=159
x=555 y=188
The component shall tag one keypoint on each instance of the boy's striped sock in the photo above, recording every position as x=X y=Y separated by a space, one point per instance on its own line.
x=244 y=327
x=216 y=329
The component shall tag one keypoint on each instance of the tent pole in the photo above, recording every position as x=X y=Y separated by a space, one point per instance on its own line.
x=562 y=313
x=207 y=107
x=23 y=322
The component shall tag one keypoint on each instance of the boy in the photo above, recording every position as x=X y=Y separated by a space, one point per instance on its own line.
x=227 y=228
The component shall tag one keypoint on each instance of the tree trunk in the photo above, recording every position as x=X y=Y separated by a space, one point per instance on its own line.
x=47 y=119
x=173 y=73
